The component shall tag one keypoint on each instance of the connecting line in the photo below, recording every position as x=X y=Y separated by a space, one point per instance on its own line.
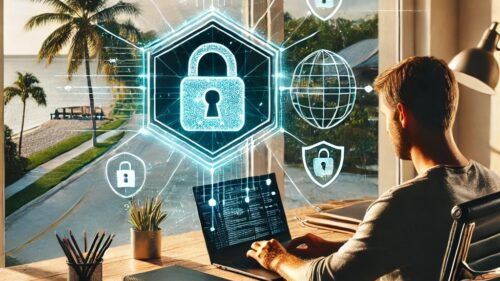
x=161 y=14
x=120 y=38
x=300 y=41
x=316 y=208
x=172 y=175
x=296 y=29
x=171 y=154
x=292 y=135
x=125 y=142
x=263 y=15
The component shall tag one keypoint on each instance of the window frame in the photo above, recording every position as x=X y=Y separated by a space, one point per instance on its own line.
x=392 y=171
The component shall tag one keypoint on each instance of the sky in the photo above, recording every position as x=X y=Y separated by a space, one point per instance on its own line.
x=156 y=15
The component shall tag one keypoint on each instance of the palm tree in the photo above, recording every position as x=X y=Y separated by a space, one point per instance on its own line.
x=79 y=22
x=24 y=87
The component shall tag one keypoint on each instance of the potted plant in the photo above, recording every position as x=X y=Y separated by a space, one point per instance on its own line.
x=145 y=232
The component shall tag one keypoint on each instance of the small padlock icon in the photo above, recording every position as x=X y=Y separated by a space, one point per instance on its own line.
x=325 y=4
x=208 y=103
x=125 y=176
x=323 y=166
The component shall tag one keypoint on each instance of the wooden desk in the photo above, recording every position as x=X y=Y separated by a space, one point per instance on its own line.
x=186 y=249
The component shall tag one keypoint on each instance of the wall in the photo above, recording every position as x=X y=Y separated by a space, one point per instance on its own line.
x=388 y=50
x=481 y=143
x=449 y=27
x=2 y=164
x=495 y=107
x=442 y=28
x=474 y=107
x=264 y=158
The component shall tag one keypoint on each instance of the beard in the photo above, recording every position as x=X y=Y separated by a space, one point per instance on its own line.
x=400 y=139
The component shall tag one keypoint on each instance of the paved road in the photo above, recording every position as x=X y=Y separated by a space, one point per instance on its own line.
x=41 y=170
x=86 y=202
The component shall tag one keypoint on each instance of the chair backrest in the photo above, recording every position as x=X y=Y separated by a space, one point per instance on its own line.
x=474 y=244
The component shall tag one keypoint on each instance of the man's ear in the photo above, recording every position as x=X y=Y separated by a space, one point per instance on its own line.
x=402 y=112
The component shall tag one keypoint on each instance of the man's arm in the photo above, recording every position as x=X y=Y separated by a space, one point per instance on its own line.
x=380 y=246
x=273 y=256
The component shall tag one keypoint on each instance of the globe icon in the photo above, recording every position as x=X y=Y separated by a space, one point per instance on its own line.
x=323 y=89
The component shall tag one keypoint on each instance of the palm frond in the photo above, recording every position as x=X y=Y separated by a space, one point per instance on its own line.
x=38 y=94
x=55 y=42
x=119 y=9
x=25 y=85
x=59 y=5
x=29 y=79
x=95 y=42
x=76 y=53
x=129 y=31
x=91 y=6
x=77 y=5
x=47 y=18
x=9 y=93
x=126 y=30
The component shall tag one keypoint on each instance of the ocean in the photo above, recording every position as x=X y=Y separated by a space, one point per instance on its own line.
x=59 y=90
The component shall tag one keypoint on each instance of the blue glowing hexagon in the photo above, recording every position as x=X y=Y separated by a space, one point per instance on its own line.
x=212 y=86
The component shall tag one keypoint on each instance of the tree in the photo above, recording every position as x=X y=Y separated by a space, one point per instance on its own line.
x=14 y=164
x=80 y=22
x=358 y=132
x=24 y=87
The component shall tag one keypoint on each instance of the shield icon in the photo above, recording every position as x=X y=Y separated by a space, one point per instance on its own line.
x=324 y=9
x=323 y=162
x=125 y=174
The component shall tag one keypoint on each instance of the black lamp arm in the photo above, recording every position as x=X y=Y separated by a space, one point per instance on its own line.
x=489 y=41
x=494 y=29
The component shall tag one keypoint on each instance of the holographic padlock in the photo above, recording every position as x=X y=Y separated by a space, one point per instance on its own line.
x=212 y=103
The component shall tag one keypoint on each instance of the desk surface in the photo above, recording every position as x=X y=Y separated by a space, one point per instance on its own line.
x=187 y=249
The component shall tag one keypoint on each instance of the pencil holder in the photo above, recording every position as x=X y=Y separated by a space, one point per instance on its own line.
x=96 y=275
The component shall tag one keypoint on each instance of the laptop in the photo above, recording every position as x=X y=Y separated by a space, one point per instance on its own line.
x=177 y=273
x=235 y=213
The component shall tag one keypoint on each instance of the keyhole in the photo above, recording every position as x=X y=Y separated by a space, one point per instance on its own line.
x=323 y=165
x=125 y=178
x=212 y=98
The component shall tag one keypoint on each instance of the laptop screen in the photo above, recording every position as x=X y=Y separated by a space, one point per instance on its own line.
x=238 y=212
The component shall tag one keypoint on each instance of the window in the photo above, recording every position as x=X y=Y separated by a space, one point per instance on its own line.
x=66 y=181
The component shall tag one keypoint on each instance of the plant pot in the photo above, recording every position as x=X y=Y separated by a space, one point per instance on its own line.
x=146 y=245
x=96 y=275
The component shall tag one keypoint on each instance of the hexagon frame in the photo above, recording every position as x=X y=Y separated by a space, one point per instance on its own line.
x=240 y=144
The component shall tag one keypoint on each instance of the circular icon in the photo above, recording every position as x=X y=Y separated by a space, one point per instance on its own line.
x=323 y=89
x=126 y=174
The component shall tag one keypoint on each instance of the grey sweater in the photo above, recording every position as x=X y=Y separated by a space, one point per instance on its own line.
x=404 y=233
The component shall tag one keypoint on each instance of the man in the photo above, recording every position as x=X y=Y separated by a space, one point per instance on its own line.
x=404 y=232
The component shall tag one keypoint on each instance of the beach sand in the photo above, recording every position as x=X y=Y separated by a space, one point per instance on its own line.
x=52 y=132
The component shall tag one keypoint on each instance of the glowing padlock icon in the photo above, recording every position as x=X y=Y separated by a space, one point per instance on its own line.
x=212 y=103
x=323 y=166
x=125 y=176
x=327 y=4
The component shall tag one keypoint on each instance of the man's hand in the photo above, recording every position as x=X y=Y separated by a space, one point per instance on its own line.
x=271 y=255
x=312 y=246
x=267 y=253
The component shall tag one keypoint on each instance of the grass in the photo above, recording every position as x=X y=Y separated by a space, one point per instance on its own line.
x=38 y=158
x=59 y=174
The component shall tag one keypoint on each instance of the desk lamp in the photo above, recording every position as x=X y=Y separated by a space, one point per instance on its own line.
x=477 y=67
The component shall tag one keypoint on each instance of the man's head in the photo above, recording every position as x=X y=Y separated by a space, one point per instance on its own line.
x=420 y=96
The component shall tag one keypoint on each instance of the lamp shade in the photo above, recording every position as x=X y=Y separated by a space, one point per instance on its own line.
x=477 y=67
